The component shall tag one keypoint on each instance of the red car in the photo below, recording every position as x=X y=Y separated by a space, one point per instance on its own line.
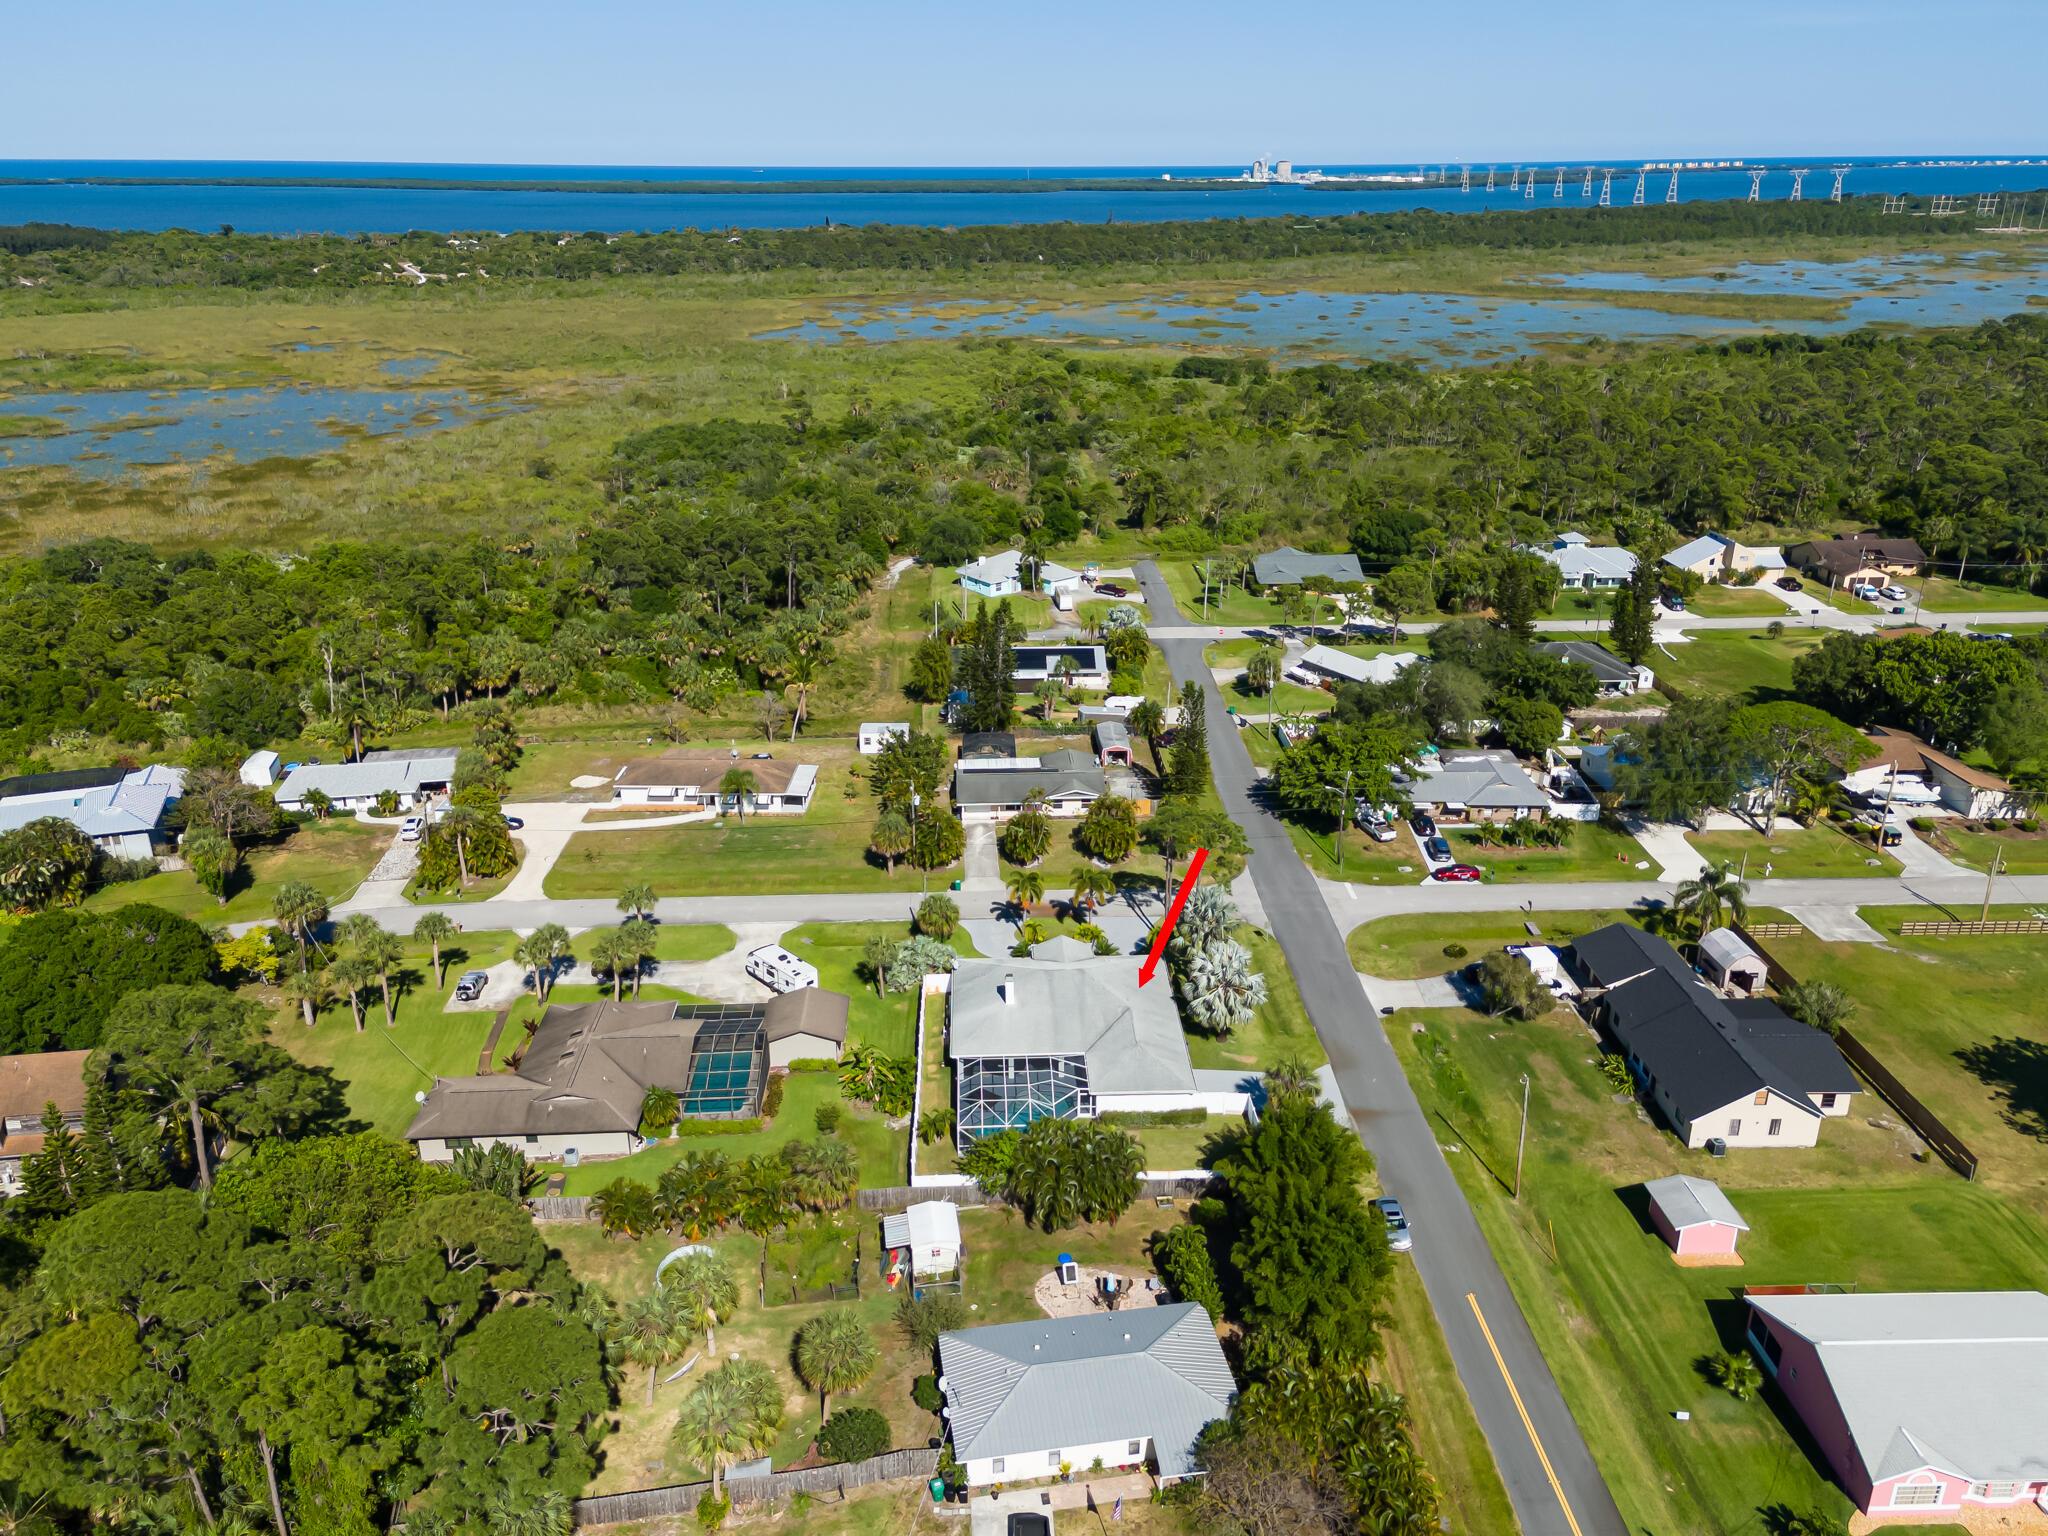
x=1460 y=872
x=1111 y=589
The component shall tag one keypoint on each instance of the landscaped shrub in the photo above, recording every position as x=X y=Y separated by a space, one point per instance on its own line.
x=1143 y=1119
x=1618 y=1076
x=813 y=1064
x=925 y=1393
x=1455 y=951
x=2029 y=824
x=1181 y=1255
x=854 y=1434
x=771 y=1097
x=827 y=1118
x=924 y=1318
x=691 y=1126
x=1922 y=824
x=711 y=1512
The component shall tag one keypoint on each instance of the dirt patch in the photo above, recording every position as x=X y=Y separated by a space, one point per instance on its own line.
x=1085 y=1297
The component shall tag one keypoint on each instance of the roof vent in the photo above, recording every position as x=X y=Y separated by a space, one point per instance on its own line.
x=1006 y=989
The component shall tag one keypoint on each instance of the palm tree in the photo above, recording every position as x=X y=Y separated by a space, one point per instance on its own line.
x=648 y=1334
x=876 y=955
x=299 y=909
x=382 y=952
x=734 y=1411
x=1147 y=719
x=1026 y=888
x=1092 y=887
x=891 y=839
x=764 y=1197
x=1223 y=991
x=308 y=989
x=1714 y=894
x=435 y=929
x=352 y=973
x=1047 y=694
x=699 y=1289
x=636 y=948
x=737 y=785
x=637 y=901
x=694 y=1195
x=607 y=957
x=540 y=952
x=624 y=1206
x=802 y=677
x=834 y=1353
x=823 y=1174
x=461 y=823
x=358 y=929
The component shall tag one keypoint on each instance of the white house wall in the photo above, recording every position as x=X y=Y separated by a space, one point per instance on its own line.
x=1798 y=1126
x=595 y=1146
x=1044 y=1461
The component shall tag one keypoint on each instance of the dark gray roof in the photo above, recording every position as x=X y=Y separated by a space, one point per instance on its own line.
x=1153 y=1373
x=1947 y=1379
x=989 y=744
x=806 y=1011
x=1009 y=786
x=1610 y=955
x=57 y=783
x=1289 y=567
x=1799 y=1053
x=1607 y=666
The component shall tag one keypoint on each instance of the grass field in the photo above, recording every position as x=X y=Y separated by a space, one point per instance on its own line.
x=1280 y=1031
x=1228 y=605
x=2022 y=853
x=1593 y=853
x=1816 y=852
x=331 y=856
x=1960 y=1021
x=1717 y=601
x=887 y=1022
x=1405 y=948
x=1623 y=1328
x=1365 y=862
x=1742 y=662
x=1944 y=594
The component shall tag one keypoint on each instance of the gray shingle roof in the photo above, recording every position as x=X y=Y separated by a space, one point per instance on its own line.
x=1289 y=567
x=1153 y=1373
x=1009 y=786
x=1948 y=1379
x=401 y=773
x=1066 y=1005
x=1606 y=666
x=1488 y=780
x=1690 y=1202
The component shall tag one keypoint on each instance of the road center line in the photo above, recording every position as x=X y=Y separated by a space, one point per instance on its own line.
x=1550 y=1472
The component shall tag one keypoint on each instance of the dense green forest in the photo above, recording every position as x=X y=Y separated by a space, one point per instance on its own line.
x=733 y=555
x=74 y=259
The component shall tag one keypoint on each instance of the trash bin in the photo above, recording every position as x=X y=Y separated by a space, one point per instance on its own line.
x=938 y=1488
x=956 y=885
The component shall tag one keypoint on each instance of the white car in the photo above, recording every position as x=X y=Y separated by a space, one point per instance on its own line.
x=411 y=828
x=1896 y=593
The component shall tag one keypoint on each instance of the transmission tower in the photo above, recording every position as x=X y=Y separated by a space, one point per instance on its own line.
x=1587 y=189
x=1529 y=184
x=1607 y=189
x=1798 y=185
x=1835 y=192
x=1894 y=202
x=1671 y=192
x=1641 y=177
x=1756 y=182
x=1465 y=178
x=1987 y=204
x=1489 y=178
x=1558 y=190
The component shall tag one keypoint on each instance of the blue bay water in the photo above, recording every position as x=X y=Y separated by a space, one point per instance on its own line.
x=354 y=210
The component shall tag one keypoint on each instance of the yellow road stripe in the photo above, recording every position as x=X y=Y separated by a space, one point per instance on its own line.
x=1550 y=1472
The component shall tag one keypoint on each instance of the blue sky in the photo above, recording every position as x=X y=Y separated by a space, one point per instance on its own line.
x=908 y=82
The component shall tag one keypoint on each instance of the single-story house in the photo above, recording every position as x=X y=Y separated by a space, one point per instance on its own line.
x=1112 y=743
x=805 y=1024
x=414 y=776
x=260 y=769
x=1696 y=1219
x=1616 y=678
x=1479 y=785
x=1003 y=576
x=29 y=1083
x=1741 y=1071
x=122 y=810
x=1082 y=666
x=1908 y=771
x=579 y=1084
x=1924 y=1404
x=1849 y=560
x=1714 y=556
x=1118 y=1389
x=1068 y=781
x=782 y=787
x=1584 y=565
x=877 y=734
x=927 y=1234
x=1322 y=665
x=1066 y=1033
x=1728 y=962
x=1290 y=567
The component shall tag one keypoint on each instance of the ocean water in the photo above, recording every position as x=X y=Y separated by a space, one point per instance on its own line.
x=1442 y=329
x=55 y=195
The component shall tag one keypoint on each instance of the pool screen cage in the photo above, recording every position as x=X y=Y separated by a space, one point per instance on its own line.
x=1007 y=1093
x=728 y=1066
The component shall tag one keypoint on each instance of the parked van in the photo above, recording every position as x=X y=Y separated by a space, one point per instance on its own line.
x=780 y=971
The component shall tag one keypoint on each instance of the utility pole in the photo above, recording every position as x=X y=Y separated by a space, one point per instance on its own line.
x=1997 y=868
x=1208 y=574
x=1343 y=819
x=924 y=875
x=1522 y=1143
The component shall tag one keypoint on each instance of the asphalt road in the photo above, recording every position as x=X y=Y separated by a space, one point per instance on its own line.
x=1549 y=1473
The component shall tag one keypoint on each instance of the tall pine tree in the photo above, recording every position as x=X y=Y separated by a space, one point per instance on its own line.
x=1188 y=772
x=54 y=1180
x=1633 y=620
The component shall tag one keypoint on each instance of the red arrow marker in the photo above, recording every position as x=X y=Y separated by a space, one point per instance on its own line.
x=1180 y=899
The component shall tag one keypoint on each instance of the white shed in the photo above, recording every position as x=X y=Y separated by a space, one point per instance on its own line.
x=930 y=1230
x=260 y=769
x=877 y=734
x=1728 y=962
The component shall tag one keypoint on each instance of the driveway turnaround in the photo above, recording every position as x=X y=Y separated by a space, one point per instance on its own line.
x=1550 y=1476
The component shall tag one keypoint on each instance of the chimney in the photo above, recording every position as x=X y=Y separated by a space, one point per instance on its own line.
x=1006 y=989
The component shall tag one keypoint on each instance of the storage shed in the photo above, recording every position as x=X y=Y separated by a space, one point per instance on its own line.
x=930 y=1231
x=1696 y=1219
x=1728 y=962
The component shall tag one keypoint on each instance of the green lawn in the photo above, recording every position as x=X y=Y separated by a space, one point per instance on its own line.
x=1593 y=853
x=1171 y=1148
x=2024 y=853
x=1281 y=1029
x=887 y=1022
x=1804 y=853
x=1719 y=601
x=1960 y=1021
x=1365 y=862
x=1943 y=594
x=1620 y=1325
x=331 y=856
x=1741 y=662
x=1406 y=948
x=1228 y=605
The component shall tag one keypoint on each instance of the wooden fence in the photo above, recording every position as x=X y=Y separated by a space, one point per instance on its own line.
x=1773 y=930
x=681 y=1498
x=1189 y=1186
x=1935 y=928
x=560 y=1207
x=1945 y=1142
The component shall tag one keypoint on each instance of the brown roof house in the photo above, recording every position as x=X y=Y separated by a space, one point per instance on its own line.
x=576 y=1093
x=1907 y=773
x=27 y=1084
x=1848 y=559
x=687 y=780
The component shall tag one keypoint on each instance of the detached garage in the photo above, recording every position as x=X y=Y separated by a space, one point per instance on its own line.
x=1696 y=1219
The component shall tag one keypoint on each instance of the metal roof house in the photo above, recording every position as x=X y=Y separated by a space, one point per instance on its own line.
x=1585 y=565
x=1068 y=781
x=1066 y=1034
x=1124 y=1388
x=877 y=734
x=1478 y=786
x=123 y=815
x=1926 y=1403
x=1615 y=676
x=1906 y=770
x=412 y=776
x=1323 y=663
x=1714 y=555
x=1728 y=962
x=1112 y=743
x=1696 y=1219
x=1741 y=1071
x=1290 y=567
x=1003 y=576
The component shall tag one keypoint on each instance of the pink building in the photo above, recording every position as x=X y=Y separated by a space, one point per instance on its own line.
x=1924 y=1404
x=1695 y=1218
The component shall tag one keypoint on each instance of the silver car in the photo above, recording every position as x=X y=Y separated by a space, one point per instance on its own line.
x=1399 y=1238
